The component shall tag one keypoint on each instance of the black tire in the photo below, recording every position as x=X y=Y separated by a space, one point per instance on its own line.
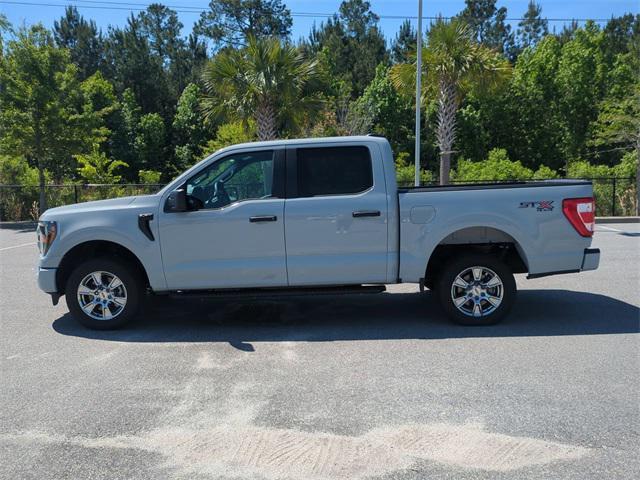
x=132 y=286
x=490 y=313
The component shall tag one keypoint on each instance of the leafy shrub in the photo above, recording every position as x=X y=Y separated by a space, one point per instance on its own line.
x=230 y=134
x=18 y=187
x=623 y=198
x=149 y=176
x=497 y=166
x=405 y=171
x=545 y=173
x=95 y=167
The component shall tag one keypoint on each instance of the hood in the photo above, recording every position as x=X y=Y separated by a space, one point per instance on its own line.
x=95 y=206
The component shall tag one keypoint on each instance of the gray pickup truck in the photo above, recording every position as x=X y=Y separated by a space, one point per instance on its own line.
x=313 y=216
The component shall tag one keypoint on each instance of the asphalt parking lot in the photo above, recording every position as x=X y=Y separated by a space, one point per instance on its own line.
x=354 y=387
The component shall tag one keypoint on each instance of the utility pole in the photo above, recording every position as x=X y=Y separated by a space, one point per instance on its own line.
x=418 y=91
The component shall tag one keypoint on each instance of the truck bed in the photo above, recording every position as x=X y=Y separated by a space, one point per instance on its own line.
x=526 y=214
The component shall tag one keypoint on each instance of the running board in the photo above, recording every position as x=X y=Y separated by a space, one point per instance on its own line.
x=279 y=292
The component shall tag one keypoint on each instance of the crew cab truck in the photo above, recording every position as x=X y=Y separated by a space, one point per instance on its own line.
x=311 y=216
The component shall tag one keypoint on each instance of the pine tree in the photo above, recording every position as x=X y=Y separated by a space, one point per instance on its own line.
x=404 y=43
x=532 y=27
x=83 y=40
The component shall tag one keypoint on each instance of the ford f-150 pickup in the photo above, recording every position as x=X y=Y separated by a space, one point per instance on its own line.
x=312 y=216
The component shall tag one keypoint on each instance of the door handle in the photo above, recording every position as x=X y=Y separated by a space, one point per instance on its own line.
x=366 y=213
x=263 y=218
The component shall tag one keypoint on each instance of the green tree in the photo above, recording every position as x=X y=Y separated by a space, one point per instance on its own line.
x=404 y=43
x=622 y=35
x=568 y=32
x=580 y=86
x=83 y=40
x=453 y=61
x=150 y=142
x=178 y=57
x=188 y=129
x=349 y=45
x=132 y=64
x=5 y=27
x=265 y=82
x=38 y=105
x=532 y=28
x=619 y=124
x=230 y=23
x=528 y=121
x=99 y=108
x=391 y=112
x=123 y=138
x=488 y=24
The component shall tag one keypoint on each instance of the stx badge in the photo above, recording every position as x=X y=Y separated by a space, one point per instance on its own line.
x=541 y=205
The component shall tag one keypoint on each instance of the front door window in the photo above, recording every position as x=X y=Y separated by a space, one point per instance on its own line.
x=238 y=177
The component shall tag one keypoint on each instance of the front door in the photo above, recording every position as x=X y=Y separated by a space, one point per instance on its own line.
x=235 y=239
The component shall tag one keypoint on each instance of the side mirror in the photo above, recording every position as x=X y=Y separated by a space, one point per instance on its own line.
x=176 y=201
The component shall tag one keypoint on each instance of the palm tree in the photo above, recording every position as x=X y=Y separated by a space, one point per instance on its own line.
x=266 y=81
x=453 y=63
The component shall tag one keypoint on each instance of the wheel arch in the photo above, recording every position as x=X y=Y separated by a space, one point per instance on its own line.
x=476 y=239
x=95 y=249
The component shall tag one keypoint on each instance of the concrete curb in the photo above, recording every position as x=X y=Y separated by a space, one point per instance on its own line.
x=617 y=219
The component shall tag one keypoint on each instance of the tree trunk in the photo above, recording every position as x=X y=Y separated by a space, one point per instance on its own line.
x=446 y=129
x=266 y=121
x=42 y=203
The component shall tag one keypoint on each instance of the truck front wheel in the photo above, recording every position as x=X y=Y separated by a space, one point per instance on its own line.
x=476 y=289
x=103 y=293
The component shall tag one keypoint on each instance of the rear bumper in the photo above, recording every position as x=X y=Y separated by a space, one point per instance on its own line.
x=591 y=259
x=47 y=280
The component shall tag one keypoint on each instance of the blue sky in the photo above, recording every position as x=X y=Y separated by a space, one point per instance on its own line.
x=29 y=14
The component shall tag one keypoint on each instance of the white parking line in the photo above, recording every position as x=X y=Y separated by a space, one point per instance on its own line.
x=609 y=228
x=17 y=246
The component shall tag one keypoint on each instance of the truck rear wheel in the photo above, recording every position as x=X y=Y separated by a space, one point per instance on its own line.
x=476 y=289
x=103 y=294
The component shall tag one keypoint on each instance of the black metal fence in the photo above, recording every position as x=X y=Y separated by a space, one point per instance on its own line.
x=614 y=196
x=20 y=202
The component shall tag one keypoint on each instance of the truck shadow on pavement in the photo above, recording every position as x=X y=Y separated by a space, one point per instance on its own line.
x=363 y=317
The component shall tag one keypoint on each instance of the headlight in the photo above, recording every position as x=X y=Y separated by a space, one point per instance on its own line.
x=46 y=232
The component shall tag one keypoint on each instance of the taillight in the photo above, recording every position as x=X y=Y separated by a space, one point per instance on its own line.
x=581 y=214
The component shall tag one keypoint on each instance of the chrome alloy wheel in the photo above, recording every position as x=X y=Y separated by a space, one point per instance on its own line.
x=477 y=291
x=102 y=295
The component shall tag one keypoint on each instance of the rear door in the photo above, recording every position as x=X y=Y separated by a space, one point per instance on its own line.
x=335 y=215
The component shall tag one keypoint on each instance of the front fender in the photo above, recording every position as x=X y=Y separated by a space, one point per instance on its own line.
x=120 y=228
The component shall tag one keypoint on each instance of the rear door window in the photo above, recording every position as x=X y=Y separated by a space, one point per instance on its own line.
x=333 y=171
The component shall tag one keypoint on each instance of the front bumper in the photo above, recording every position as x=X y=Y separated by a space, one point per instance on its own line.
x=47 y=280
x=591 y=259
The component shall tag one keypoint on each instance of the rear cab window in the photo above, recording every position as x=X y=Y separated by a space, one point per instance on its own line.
x=333 y=171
